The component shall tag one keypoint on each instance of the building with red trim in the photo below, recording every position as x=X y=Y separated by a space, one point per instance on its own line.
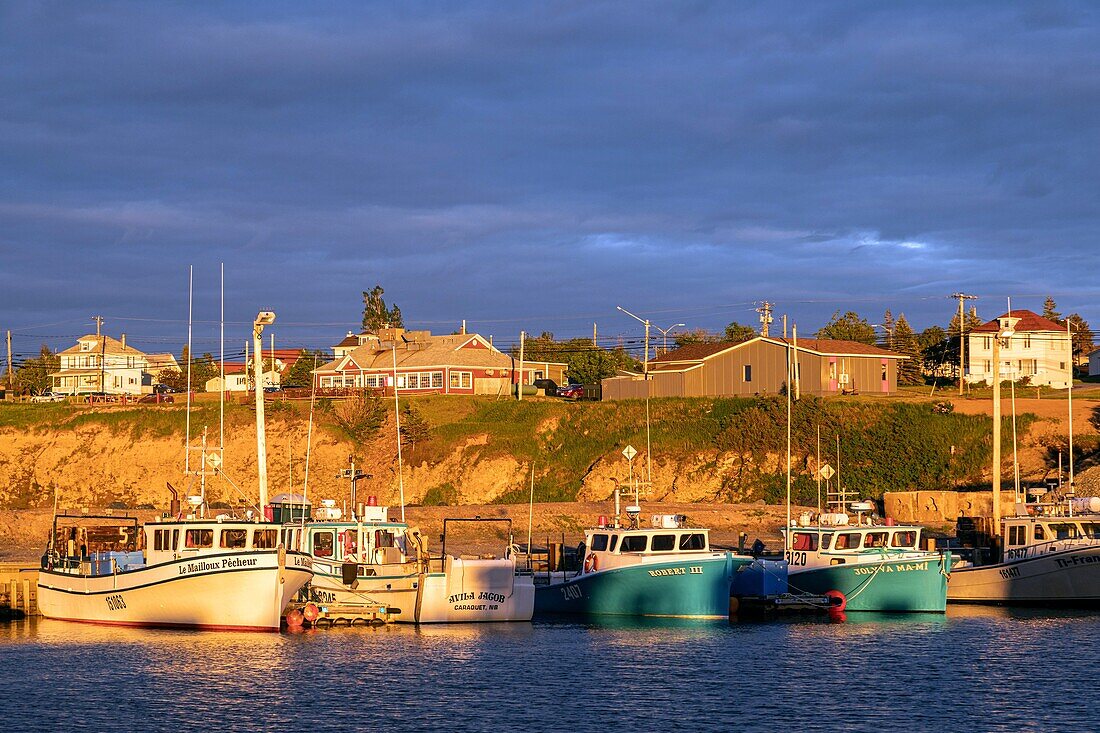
x=1038 y=349
x=462 y=363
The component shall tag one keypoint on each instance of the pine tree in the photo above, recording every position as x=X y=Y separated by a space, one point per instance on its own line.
x=1081 y=335
x=849 y=327
x=888 y=324
x=375 y=313
x=905 y=342
x=1049 y=311
x=738 y=333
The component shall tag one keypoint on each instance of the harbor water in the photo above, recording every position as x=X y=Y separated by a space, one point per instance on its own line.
x=973 y=669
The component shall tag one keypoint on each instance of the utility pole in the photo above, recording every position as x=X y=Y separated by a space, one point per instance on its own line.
x=962 y=336
x=11 y=375
x=593 y=334
x=519 y=379
x=765 y=311
x=263 y=318
x=102 y=354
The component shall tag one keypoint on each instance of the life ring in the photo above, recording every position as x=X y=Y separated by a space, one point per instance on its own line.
x=591 y=563
x=837 y=601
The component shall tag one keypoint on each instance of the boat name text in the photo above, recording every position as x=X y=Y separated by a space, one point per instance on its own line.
x=1069 y=562
x=482 y=596
x=904 y=567
x=201 y=566
x=690 y=570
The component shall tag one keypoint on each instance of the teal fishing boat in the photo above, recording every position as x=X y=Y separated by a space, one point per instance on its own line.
x=865 y=566
x=667 y=570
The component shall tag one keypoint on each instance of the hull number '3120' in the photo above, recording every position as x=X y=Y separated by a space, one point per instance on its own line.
x=115 y=603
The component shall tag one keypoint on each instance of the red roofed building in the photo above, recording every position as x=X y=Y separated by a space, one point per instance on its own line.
x=1038 y=349
x=759 y=366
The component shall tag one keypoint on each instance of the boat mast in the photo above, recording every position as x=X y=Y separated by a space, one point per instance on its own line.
x=397 y=418
x=263 y=318
x=1069 y=395
x=788 y=533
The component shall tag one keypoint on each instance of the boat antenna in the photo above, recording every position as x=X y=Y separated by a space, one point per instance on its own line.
x=397 y=418
x=530 y=515
x=221 y=358
x=788 y=533
x=817 y=465
x=309 y=431
x=1069 y=395
x=1015 y=453
x=187 y=429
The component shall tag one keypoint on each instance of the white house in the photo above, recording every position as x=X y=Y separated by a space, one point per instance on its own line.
x=102 y=364
x=1094 y=363
x=238 y=378
x=1038 y=349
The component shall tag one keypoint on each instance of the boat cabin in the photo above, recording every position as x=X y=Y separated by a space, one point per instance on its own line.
x=813 y=546
x=381 y=543
x=166 y=541
x=620 y=546
x=1028 y=537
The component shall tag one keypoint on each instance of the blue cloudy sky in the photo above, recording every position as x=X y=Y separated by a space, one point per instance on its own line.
x=533 y=165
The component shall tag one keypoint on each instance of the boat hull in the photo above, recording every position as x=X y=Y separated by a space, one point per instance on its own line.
x=891 y=586
x=468 y=591
x=1069 y=578
x=239 y=591
x=686 y=588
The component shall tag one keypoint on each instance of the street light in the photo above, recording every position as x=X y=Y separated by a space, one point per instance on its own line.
x=664 y=333
x=1005 y=332
x=263 y=318
x=644 y=321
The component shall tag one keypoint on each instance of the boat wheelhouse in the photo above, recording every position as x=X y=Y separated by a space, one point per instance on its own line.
x=1047 y=554
x=872 y=567
x=216 y=573
x=665 y=570
x=370 y=560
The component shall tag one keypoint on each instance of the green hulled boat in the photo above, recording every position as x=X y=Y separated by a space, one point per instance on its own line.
x=873 y=567
x=663 y=571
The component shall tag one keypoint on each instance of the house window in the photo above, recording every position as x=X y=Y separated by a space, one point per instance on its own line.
x=884 y=372
x=987 y=343
x=412 y=381
x=1061 y=365
x=401 y=381
x=437 y=380
x=748 y=373
x=988 y=369
x=460 y=380
x=1027 y=341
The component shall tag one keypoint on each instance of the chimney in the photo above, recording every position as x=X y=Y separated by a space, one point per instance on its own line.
x=123 y=339
x=463 y=326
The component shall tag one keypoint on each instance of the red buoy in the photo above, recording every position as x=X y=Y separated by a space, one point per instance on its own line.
x=294 y=619
x=311 y=612
x=837 y=601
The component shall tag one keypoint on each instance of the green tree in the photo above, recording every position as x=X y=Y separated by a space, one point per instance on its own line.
x=375 y=313
x=696 y=336
x=971 y=322
x=301 y=373
x=888 y=325
x=905 y=342
x=738 y=333
x=1050 y=311
x=1081 y=335
x=935 y=348
x=414 y=428
x=34 y=375
x=849 y=327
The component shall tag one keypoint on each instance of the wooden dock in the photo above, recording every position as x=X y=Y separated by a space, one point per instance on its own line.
x=18 y=590
x=299 y=614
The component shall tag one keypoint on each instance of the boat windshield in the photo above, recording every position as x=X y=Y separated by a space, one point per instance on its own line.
x=804 y=541
x=847 y=541
x=876 y=539
x=599 y=542
x=908 y=538
x=1064 y=531
x=693 y=541
x=1092 y=530
x=634 y=543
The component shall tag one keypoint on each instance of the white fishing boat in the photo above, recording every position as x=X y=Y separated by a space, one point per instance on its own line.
x=206 y=574
x=189 y=571
x=369 y=560
x=1048 y=554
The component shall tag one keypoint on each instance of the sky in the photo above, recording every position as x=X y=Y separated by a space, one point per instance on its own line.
x=531 y=166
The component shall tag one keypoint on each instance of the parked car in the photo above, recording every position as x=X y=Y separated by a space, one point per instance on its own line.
x=571 y=391
x=48 y=396
x=163 y=399
x=272 y=388
x=162 y=388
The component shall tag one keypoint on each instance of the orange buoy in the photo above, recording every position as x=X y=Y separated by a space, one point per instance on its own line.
x=591 y=563
x=311 y=612
x=837 y=601
x=294 y=619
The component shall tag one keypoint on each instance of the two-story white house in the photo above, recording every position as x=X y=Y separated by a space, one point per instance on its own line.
x=101 y=364
x=1038 y=349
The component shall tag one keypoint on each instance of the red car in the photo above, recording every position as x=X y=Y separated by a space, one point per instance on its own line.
x=571 y=391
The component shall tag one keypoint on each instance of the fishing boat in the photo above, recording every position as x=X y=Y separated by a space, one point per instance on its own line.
x=666 y=569
x=865 y=565
x=207 y=574
x=192 y=570
x=369 y=560
x=1047 y=554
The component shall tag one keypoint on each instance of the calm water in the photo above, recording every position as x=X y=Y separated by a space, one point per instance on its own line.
x=973 y=670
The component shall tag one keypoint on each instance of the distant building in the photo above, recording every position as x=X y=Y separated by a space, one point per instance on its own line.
x=759 y=366
x=462 y=363
x=1094 y=363
x=99 y=363
x=1039 y=349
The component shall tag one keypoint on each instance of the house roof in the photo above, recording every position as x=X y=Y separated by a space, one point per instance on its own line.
x=451 y=350
x=831 y=347
x=109 y=345
x=1029 y=321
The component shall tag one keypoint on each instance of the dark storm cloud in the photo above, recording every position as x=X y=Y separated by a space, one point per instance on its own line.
x=533 y=165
